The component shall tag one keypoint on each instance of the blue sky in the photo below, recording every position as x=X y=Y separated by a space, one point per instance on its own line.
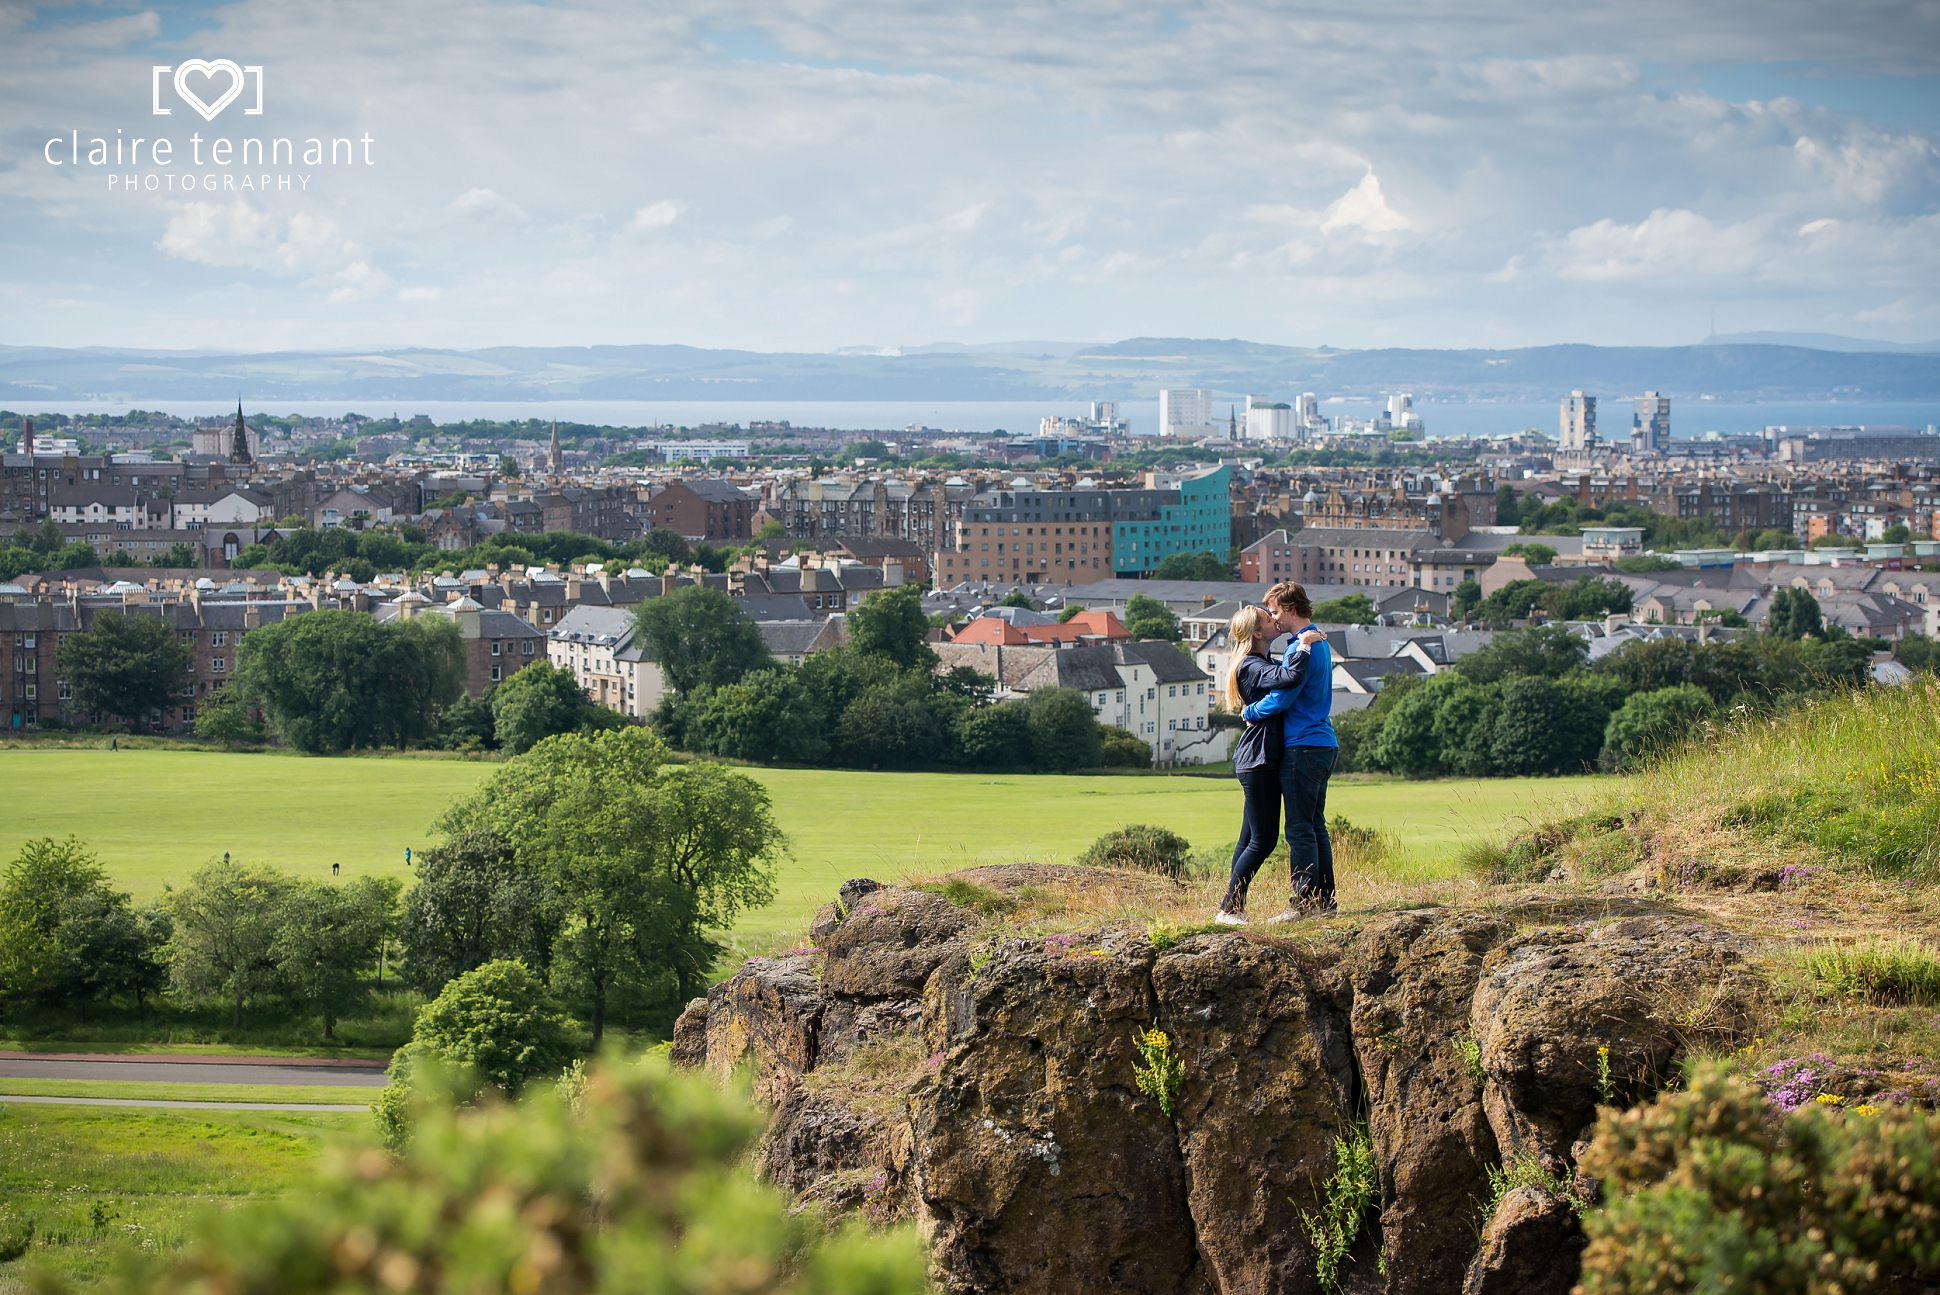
x=819 y=174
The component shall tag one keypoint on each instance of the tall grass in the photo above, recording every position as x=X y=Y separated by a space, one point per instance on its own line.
x=1878 y=971
x=1857 y=776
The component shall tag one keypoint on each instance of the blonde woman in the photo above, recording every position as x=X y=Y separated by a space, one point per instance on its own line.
x=1257 y=754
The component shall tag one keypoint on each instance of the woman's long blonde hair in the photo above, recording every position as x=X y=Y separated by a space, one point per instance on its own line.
x=1249 y=625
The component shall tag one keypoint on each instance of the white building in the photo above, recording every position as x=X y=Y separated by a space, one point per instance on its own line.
x=1402 y=415
x=1268 y=420
x=1186 y=413
x=1650 y=424
x=1577 y=421
x=1307 y=420
x=702 y=451
x=600 y=647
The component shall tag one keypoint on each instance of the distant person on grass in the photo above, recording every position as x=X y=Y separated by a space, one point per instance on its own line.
x=1310 y=752
x=1256 y=757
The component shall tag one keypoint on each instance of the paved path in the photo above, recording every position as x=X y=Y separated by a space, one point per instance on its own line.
x=137 y=1068
x=179 y=1106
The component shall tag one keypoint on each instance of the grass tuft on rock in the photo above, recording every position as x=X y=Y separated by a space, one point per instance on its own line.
x=1877 y=970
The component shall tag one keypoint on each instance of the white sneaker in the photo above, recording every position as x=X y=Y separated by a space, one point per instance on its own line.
x=1224 y=918
x=1286 y=915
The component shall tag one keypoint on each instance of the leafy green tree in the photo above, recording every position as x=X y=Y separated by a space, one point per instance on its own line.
x=1536 y=555
x=641 y=1185
x=497 y=1020
x=1774 y=539
x=329 y=937
x=1516 y=600
x=1465 y=728
x=836 y=677
x=1123 y=750
x=772 y=530
x=176 y=556
x=340 y=680
x=892 y=624
x=1543 y=727
x=543 y=700
x=1467 y=596
x=1350 y=609
x=646 y=858
x=508 y=467
x=227 y=717
x=1548 y=650
x=1016 y=598
x=226 y=923
x=467 y=724
x=474 y=903
x=1649 y=722
x=1192 y=566
x=769 y=715
x=65 y=936
x=1064 y=734
x=701 y=638
x=126 y=665
x=1587 y=598
x=967 y=682
x=1918 y=652
x=1508 y=507
x=1070 y=610
x=1794 y=615
x=1410 y=742
x=1645 y=563
x=1148 y=618
x=892 y=724
x=993 y=737
x=1897 y=533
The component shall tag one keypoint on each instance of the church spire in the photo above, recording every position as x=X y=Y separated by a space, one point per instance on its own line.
x=552 y=452
x=239 y=444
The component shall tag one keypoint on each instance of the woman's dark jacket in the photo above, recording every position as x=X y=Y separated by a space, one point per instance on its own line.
x=1261 y=745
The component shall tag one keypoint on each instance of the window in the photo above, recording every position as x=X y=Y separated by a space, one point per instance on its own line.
x=32 y=691
x=220 y=638
x=526 y=648
x=218 y=665
x=495 y=674
x=27 y=643
x=495 y=647
x=61 y=690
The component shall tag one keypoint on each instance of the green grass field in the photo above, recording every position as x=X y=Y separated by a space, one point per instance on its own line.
x=154 y=816
x=93 y=1179
x=129 y=1090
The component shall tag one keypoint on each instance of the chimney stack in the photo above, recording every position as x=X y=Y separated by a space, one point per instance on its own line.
x=27 y=438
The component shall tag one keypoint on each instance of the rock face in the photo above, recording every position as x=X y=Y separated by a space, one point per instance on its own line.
x=1034 y=1161
x=1531 y=1246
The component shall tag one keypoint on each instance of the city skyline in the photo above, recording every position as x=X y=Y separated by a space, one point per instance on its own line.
x=893 y=174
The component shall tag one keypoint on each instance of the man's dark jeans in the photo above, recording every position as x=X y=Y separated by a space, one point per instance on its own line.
x=1259 y=832
x=1303 y=786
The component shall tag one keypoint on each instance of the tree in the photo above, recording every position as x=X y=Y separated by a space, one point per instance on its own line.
x=1017 y=598
x=1467 y=595
x=1123 y=750
x=1543 y=727
x=769 y=715
x=891 y=724
x=508 y=467
x=700 y=637
x=1794 y=615
x=993 y=737
x=125 y=665
x=1070 y=610
x=340 y=680
x=1148 y=618
x=1532 y=553
x=64 y=934
x=467 y=724
x=329 y=936
x=1516 y=600
x=1507 y=506
x=644 y=858
x=1918 y=652
x=226 y=717
x=1192 y=566
x=474 y=903
x=542 y=700
x=226 y=923
x=1351 y=609
x=1897 y=533
x=496 y=1020
x=1548 y=650
x=176 y=556
x=892 y=624
x=1649 y=722
x=772 y=530
x=1645 y=563
x=1064 y=735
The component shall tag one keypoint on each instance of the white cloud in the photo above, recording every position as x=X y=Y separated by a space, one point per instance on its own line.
x=1363 y=208
x=656 y=215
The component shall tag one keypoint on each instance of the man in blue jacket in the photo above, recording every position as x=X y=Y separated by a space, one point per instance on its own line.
x=1311 y=750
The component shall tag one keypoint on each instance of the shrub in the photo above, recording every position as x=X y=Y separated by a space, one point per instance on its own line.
x=1124 y=750
x=1345 y=1200
x=1649 y=722
x=643 y=1187
x=1142 y=848
x=1710 y=1189
x=497 y=1020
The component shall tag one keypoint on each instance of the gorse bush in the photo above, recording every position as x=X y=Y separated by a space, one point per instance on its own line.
x=642 y=1188
x=1142 y=848
x=1710 y=1190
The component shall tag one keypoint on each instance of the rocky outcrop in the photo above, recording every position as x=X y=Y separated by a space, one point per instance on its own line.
x=1532 y=1245
x=924 y=1061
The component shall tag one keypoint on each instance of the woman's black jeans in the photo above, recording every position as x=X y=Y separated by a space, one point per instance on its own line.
x=1304 y=771
x=1259 y=832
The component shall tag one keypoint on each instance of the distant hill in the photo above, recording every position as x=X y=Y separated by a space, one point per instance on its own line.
x=1823 y=342
x=1131 y=369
